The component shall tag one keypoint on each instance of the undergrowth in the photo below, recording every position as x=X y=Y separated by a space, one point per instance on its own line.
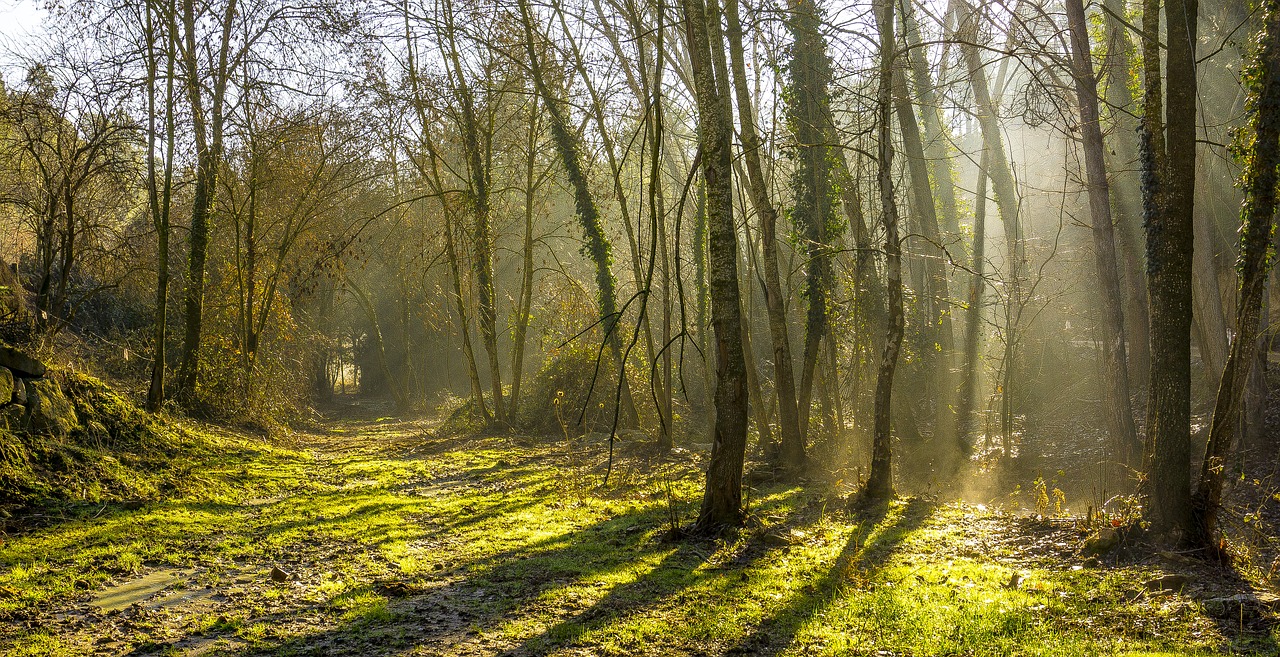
x=118 y=453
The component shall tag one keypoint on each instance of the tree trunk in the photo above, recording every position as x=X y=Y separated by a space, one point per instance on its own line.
x=479 y=181
x=938 y=343
x=880 y=481
x=973 y=315
x=722 y=498
x=1170 y=239
x=792 y=449
x=208 y=140
x=160 y=197
x=597 y=245
x=1258 y=216
x=812 y=213
x=1001 y=177
x=935 y=134
x=464 y=326
x=531 y=183
x=1118 y=412
x=1124 y=150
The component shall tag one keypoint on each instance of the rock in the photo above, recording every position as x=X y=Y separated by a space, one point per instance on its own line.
x=6 y=385
x=19 y=391
x=21 y=364
x=1174 y=582
x=1242 y=606
x=48 y=409
x=1102 y=542
x=280 y=576
x=13 y=417
x=634 y=436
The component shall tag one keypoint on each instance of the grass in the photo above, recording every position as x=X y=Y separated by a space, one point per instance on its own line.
x=401 y=542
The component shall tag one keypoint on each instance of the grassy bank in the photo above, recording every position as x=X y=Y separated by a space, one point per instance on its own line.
x=388 y=539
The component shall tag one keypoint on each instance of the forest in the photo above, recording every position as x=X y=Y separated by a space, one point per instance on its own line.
x=639 y=327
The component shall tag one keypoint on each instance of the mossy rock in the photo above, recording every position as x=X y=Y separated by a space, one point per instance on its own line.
x=6 y=385
x=20 y=363
x=49 y=410
x=13 y=417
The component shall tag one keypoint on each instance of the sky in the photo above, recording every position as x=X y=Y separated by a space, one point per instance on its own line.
x=18 y=20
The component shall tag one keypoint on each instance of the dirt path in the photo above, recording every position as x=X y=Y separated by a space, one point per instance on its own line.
x=381 y=537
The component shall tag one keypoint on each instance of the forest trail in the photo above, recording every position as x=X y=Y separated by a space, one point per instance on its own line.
x=388 y=537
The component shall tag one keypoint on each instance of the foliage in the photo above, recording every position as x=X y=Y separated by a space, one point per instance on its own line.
x=119 y=453
x=406 y=540
x=579 y=383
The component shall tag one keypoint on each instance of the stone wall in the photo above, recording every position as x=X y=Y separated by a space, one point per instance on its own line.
x=30 y=400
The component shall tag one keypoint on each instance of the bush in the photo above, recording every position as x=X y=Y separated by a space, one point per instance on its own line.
x=563 y=391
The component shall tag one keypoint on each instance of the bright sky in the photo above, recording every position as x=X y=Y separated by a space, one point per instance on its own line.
x=19 y=19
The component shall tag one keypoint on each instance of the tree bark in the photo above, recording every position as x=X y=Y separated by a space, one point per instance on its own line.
x=812 y=213
x=1118 y=412
x=792 y=448
x=1258 y=216
x=722 y=498
x=464 y=326
x=208 y=138
x=880 y=480
x=1170 y=239
x=160 y=193
x=973 y=315
x=1124 y=158
x=479 y=182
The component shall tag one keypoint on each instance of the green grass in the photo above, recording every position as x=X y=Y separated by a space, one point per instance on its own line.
x=404 y=543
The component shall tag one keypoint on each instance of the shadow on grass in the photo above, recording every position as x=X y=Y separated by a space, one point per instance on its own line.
x=778 y=630
x=496 y=589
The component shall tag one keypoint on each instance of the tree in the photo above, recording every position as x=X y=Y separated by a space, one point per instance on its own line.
x=793 y=439
x=208 y=127
x=812 y=212
x=597 y=243
x=880 y=481
x=1115 y=358
x=1169 y=162
x=1258 y=215
x=161 y=42
x=722 y=497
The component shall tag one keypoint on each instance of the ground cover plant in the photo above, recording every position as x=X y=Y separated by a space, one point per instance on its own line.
x=385 y=537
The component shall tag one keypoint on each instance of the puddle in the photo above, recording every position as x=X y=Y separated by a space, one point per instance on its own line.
x=122 y=596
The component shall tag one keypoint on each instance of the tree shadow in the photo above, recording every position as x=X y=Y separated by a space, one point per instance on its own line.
x=778 y=630
x=438 y=618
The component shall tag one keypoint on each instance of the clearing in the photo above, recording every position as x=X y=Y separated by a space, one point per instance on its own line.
x=387 y=537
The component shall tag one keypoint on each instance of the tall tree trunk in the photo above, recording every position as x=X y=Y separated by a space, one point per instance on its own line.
x=1001 y=177
x=479 y=181
x=464 y=326
x=160 y=193
x=812 y=213
x=938 y=342
x=935 y=134
x=973 y=315
x=722 y=498
x=1258 y=216
x=1118 y=412
x=880 y=480
x=1124 y=158
x=792 y=450
x=208 y=138
x=531 y=182
x=1170 y=239
x=597 y=245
